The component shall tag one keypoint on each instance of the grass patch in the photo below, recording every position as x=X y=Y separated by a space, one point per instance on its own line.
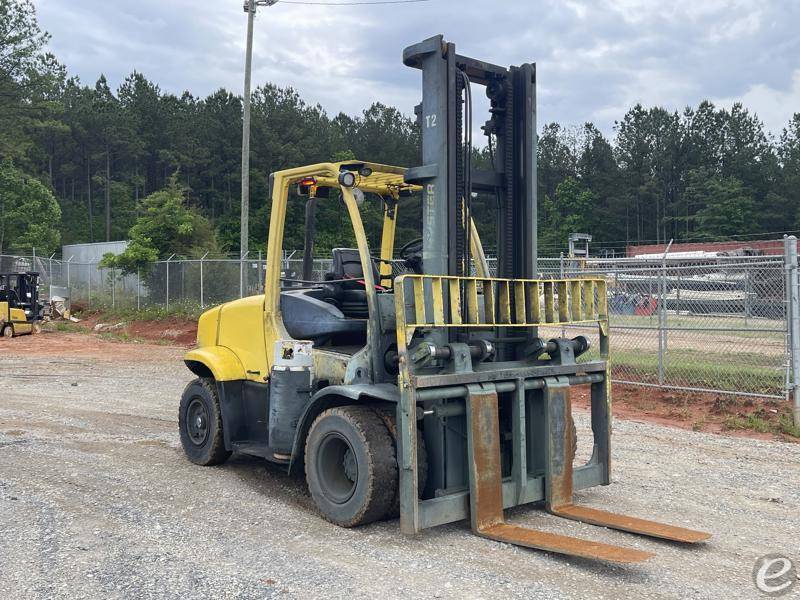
x=700 y=369
x=188 y=312
x=64 y=327
x=787 y=426
x=705 y=321
x=752 y=422
x=755 y=422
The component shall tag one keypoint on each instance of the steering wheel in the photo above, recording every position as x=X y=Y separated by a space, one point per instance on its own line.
x=411 y=254
x=412 y=250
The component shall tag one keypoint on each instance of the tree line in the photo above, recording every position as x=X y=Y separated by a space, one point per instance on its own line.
x=88 y=163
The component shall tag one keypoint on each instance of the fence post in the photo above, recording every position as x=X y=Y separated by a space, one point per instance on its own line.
x=138 y=289
x=68 y=284
x=793 y=319
x=50 y=275
x=113 y=287
x=561 y=275
x=241 y=273
x=91 y=268
x=202 y=300
x=662 y=317
x=169 y=259
x=747 y=309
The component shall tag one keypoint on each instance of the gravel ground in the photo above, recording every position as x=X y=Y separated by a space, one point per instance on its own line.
x=96 y=500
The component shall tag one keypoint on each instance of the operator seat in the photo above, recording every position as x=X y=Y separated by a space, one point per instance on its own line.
x=351 y=296
x=347 y=265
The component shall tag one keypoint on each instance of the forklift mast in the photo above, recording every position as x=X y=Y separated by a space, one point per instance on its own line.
x=445 y=119
x=447 y=176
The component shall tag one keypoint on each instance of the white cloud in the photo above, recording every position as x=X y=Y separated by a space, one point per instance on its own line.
x=774 y=107
x=595 y=58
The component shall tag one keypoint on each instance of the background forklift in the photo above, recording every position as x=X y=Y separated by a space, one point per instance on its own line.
x=20 y=310
x=421 y=385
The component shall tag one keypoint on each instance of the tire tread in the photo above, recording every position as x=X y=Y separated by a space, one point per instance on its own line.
x=216 y=453
x=382 y=487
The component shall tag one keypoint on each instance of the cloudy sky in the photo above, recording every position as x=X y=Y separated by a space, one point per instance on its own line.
x=594 y=58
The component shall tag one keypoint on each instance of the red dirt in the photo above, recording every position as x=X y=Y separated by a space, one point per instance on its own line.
x=62 y=345
x=697 y=411
x=181 y=332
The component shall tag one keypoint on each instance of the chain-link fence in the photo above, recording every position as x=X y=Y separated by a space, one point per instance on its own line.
x=710 y=324
x=716 y=324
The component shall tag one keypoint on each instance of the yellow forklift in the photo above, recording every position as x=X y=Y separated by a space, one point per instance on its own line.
x=421 y=384
x=20 y=310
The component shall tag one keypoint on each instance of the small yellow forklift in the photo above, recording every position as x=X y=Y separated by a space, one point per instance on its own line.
x=20 y=310
x=421 y=384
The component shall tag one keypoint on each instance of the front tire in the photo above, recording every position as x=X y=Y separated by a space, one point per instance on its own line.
x=8 y=331
x=388 y=417
x=200 y=424
x=351 y=467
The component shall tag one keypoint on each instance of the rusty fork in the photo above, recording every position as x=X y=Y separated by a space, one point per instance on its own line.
x=486 y=496
x=559 y=480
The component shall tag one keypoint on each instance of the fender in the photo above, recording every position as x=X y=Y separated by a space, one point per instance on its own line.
x=218 y=361
x=336 y=395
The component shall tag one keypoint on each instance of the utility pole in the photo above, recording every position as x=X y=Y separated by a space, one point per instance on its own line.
x=250 y=8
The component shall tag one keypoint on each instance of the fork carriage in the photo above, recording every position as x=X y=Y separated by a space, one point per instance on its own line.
x=521 y=389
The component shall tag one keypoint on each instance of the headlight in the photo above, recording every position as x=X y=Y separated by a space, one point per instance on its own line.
x=347 y=179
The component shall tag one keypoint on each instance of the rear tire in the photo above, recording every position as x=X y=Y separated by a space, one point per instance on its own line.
x=200 y=424
x=351 y=466
x=8 y=331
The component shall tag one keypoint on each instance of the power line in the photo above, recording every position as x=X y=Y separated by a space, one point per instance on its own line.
x=351 y=3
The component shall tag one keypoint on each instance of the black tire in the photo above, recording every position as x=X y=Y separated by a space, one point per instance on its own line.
x=200 y=423
x=8 y=331
x=389 y=418
x=351 y=466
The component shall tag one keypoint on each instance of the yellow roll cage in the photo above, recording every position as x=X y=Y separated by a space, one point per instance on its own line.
x=385 y=180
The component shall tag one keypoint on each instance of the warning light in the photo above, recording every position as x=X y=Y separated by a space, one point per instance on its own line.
x=307 y=186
